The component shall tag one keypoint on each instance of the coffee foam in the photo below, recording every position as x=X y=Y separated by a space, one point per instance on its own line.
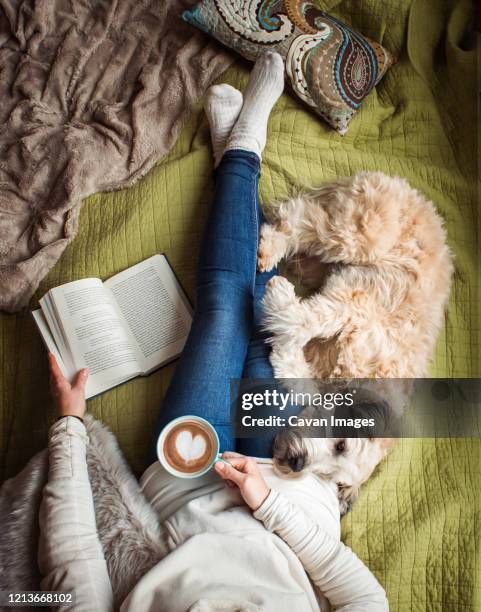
x=189 y=447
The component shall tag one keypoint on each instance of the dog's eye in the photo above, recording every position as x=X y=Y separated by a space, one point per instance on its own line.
x=341 y=446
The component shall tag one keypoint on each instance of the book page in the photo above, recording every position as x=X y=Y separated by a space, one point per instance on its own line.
x=94 y=334
x=155 y=309
x=49 y=314
x=49 y=341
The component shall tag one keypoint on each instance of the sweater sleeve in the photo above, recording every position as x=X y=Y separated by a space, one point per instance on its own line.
x=339 y=574
x=70 y=553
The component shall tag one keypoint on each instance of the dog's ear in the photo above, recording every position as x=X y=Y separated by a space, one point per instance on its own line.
x=347 y=495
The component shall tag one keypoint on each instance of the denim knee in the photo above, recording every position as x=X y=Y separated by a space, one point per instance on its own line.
x=230 y=297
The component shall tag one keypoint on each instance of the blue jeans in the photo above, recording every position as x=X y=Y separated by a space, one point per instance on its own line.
x=226 y=341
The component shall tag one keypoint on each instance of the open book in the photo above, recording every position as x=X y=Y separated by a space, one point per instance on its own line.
x=121 y=328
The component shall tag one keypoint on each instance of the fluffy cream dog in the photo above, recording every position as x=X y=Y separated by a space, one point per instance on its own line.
x=374 y=251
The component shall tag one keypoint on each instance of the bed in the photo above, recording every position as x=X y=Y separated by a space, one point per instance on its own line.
x=416 y=523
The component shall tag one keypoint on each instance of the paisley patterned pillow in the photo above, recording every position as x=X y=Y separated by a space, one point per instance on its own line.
x=329 y=66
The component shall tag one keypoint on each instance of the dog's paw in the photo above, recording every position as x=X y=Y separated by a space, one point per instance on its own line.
x=281 y=291
x=280 y=307
x=271 y=248
x=266 y=260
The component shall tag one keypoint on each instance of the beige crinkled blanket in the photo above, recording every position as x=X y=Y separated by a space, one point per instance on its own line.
x=91 y=95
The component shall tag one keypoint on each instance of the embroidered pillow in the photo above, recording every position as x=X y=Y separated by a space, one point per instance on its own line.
x=329 y=66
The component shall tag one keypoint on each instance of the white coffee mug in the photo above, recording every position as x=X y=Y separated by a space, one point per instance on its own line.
x=160 y=447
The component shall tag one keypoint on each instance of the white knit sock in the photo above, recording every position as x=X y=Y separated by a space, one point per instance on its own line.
x=265 y=85
x=222 y=106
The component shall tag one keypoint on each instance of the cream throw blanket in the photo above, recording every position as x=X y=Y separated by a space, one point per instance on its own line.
x=91 y=95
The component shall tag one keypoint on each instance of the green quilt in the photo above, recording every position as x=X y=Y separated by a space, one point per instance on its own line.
x=416 y=523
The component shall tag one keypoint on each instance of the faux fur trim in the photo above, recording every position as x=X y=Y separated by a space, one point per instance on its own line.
x=19 y=503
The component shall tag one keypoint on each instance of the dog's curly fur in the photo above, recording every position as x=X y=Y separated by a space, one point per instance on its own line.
x=374 y=250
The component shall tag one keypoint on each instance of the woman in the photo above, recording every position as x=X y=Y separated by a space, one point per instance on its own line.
x=263 y=542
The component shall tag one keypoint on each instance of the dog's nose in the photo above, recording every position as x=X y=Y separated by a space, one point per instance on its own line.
x=296 y=463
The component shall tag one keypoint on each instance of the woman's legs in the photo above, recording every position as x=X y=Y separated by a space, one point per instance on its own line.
x=257 y=364
x=216 y=348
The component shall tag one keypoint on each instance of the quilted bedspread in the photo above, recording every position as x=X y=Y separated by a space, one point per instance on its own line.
x=416 y=523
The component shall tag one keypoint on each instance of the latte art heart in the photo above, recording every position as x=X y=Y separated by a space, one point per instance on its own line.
x=190 y=447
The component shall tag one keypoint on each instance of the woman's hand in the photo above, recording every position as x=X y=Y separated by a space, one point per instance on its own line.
x=244 y=473
x=69 y=398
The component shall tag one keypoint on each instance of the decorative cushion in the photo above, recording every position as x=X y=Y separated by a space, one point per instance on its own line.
x=329 y=66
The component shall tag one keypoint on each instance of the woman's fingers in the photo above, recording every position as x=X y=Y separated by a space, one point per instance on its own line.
x=234 y=460
x=81 y=380
x=55 y=371
x=228 y=472
x=57 y=380
x=69 y=399
x=243 y=471
x=243 y=463
x=238 y=462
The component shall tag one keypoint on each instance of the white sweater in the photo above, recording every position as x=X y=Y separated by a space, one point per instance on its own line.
x=279 y=559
